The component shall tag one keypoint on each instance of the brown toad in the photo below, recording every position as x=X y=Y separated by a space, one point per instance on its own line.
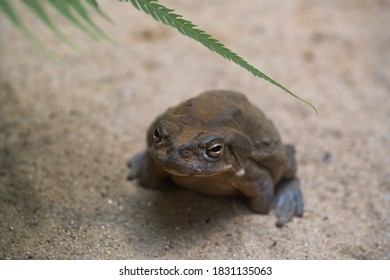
x=219 y=143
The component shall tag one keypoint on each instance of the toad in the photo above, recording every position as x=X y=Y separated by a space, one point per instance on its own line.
x=220 y=144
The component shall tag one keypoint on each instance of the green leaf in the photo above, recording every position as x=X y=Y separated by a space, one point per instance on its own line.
x=65 y=10
x=76 y=13
x=167 y=16
x=7 y=8
x=72 y=10
x=41 y=13
x=97 y=9
x=83 y=13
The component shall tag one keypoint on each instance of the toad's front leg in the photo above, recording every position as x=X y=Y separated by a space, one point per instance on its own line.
x=288 y=201
x=142 y=167
x=258 y=187
x=136 y=164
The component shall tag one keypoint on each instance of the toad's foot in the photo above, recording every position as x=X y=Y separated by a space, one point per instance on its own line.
x=288 y=201
x=145 y=170
x=135 y=164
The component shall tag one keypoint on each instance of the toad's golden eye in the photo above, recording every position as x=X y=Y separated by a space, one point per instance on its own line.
x=157 y=135
x=215 y=149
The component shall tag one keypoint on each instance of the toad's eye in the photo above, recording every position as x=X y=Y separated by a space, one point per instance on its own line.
x=157 y=135
x=215 y=149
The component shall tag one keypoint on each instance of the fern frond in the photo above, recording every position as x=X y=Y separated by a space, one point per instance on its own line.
x=97 y=9
x=78 y=6
x=63 y=8
x=169 y=17
x=7 y=8
x=41 y=13
x=75 y=11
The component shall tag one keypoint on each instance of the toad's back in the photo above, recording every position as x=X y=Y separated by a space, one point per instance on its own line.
x=218 y=110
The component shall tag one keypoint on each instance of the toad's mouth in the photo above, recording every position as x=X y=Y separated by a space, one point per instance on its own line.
x=188 y=162
x=184 y=174
x=194 y=171
x=185 y=169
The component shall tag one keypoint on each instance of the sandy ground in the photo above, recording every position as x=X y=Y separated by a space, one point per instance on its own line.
x=68 y=128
